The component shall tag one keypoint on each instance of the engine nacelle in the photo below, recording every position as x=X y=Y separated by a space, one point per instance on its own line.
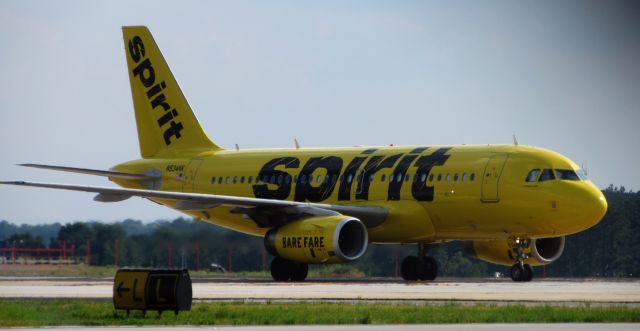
x=322 y=239
x=541 y=251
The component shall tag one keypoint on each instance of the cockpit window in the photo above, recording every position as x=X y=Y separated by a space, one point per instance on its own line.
x=547 y=174
x=566 y=174
x=582 y=174
x=533 y=175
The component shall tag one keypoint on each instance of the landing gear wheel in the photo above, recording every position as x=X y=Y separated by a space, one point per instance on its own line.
x=279 y=269
x=528 y=273
x=521 y=273
x=409 y=269
x=283 y=270
x=299 y=272
x=415 y=269
x=427 y=268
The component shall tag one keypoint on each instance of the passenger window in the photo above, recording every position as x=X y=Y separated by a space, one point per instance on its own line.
x=464 y=176
x=398 y=178
x=227 y=180
x=213 y=180
x=455 y=177
x=250 y=180
x=472 y=177
x=242 y=180
x=371 y=178
x=382 y=178
x=407 y=177
x=326 y=178
x=220 y=180
x=273 y=179
x=350 y=179
x=287 y=179
x=303 y=179
x=533 y=175
x=566 y=174
x=235 y=179
x=335 y=178
x=319 y=179
x=547 y=174
x=446 y=178
x=431 y=178
x=439 y=177
x=295 y=179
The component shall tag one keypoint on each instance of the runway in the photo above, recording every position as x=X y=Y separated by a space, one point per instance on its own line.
x=499 y=291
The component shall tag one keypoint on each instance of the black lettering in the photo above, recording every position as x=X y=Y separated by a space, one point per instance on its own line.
x=168 y=116
x=398 y=177
x=268 y=170
x=315 y=241
x=419 y=189
x=344 y=192
x=136 y=49
x=321 y=242
x=172 y=131
x=374 y=165
x=145 y=72
x=155 y=90
x=160 y=101
x=305 y=191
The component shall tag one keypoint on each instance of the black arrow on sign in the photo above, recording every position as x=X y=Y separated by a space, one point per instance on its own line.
x=121 y=289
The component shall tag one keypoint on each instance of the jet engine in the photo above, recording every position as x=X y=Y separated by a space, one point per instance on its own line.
x=321 y=239
x=540 y=252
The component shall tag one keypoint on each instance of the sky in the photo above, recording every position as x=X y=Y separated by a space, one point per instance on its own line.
x=563 y=75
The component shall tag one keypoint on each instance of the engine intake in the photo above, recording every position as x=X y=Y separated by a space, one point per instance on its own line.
x=323 y=239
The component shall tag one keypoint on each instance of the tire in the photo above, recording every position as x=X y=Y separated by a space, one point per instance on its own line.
x=280 y=269
x=299 y=271
x=428 y=268
x=517 y=273
x=528 y=273
x=409 y=268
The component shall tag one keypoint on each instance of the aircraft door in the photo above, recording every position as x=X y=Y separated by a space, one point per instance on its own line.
x=191 y=173
x=491 y=178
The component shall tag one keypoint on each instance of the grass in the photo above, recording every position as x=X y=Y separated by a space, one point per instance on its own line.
x=56 y=312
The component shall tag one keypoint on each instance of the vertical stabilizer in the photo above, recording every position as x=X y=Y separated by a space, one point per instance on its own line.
x=166 y=124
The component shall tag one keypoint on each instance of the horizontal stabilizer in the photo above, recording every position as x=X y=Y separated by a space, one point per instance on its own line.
x=112 y=174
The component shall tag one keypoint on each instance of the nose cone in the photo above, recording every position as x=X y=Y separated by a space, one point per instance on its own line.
x=595 y=206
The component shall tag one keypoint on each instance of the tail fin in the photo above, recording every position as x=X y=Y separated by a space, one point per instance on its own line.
x=166 y=123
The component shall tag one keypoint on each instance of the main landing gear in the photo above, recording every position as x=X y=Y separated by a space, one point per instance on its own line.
x=419 y=267
x=283 y=270
x=521 y=272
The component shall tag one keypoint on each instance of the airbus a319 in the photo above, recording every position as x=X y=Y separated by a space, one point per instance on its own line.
x=510 y=204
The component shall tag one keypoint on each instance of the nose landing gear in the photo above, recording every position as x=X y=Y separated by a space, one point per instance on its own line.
x=521 y=272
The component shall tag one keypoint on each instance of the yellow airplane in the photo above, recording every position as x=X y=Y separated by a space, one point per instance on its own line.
x=511 y=204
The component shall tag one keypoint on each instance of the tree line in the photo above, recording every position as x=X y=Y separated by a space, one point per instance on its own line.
x=609 y=249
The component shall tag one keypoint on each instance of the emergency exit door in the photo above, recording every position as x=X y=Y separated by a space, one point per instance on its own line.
x=491 y=178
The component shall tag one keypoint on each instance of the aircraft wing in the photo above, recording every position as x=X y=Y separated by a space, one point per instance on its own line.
x=265 y=212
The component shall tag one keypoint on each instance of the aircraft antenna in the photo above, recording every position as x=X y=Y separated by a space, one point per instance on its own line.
x=237 y=147
x=295 y=141
x=515 y=140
